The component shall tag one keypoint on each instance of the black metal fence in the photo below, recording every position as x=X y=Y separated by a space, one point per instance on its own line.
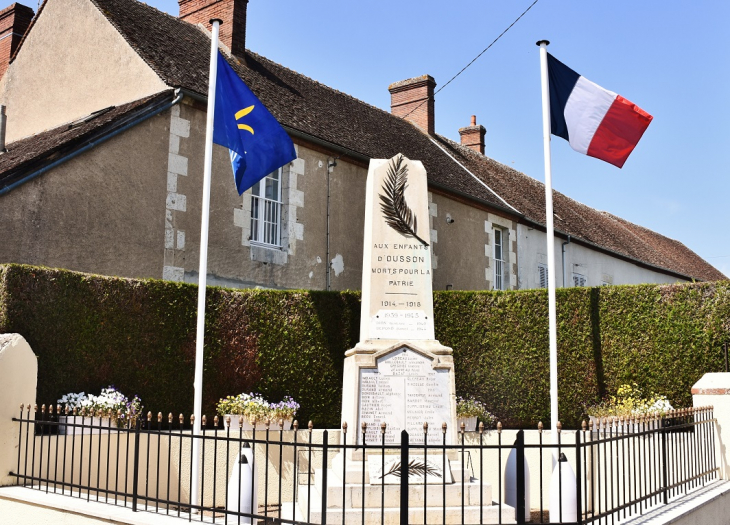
x=602 y=473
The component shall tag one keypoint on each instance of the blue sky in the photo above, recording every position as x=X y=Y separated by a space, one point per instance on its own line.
x=668 y=57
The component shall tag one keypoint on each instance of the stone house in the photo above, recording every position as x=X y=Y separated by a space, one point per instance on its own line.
x=105 y=103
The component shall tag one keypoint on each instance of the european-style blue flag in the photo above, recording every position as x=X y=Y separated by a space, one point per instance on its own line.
x=257 y=143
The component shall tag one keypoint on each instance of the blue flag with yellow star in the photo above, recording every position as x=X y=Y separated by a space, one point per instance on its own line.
x=258 y=144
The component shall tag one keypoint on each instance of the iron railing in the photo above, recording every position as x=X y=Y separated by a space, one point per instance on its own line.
x=615 y=469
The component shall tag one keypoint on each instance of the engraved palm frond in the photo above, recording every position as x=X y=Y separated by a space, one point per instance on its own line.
x=416 y=468
x=398 y=215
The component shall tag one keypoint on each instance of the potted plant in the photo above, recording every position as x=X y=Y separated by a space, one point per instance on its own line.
x=90 y=414
x=285 y=410
x=629 y=402
x=249 y=411
x=469 y=410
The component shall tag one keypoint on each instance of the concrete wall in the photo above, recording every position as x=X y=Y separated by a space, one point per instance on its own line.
x=90 y=70
x=462 y=239
x=18 y=379
x=301 y=262
x=101 y=212
x=597 y=267
x=106 y=461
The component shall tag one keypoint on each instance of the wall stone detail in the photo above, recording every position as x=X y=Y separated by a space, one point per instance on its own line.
x=433 y=213
x=291 y=230
x=175 y=202
x=511 y=227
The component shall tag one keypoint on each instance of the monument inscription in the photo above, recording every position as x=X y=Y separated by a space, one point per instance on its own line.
x=397 y=257
x=404 y=391
x=398 y=374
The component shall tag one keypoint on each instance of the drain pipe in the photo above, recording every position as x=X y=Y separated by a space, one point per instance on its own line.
x=178 y=97
x=330 y=168
x=563 y=250
x=3 y=124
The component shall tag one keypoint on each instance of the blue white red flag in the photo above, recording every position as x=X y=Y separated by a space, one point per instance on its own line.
x=597 y=122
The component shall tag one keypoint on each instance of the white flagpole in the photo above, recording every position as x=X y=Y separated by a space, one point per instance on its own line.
x=203 y=267
x=550 y=243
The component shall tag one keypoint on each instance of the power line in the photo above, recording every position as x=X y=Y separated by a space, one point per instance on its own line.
x=476 y=57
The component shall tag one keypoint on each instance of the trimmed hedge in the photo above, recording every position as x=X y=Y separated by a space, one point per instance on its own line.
x=90 y=331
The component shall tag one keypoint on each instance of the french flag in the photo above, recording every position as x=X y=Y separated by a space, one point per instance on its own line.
x=597 y=122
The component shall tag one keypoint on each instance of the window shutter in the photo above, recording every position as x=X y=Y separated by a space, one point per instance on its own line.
x=543 y=275
x=579 y=280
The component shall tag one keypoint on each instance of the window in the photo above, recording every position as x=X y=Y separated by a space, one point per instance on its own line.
x=542 y=271
x=266 y=210
x=501 y=275
x=579 y=280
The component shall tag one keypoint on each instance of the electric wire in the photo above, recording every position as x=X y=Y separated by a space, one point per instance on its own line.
x=476 y=57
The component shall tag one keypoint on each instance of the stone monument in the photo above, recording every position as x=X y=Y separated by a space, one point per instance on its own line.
x=398 y=373
x=400 y=376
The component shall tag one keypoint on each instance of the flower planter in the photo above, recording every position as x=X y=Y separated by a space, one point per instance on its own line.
x=470 y=423
x=72 y=425
x=623 y=427
x=260 y=425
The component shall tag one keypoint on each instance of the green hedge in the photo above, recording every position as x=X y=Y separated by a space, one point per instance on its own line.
x=90 y=331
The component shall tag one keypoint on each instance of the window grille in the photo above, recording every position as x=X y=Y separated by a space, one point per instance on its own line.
x=501 y=278
x=266 y=210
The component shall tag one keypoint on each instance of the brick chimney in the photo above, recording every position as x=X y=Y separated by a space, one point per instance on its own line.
x=14 y=22
x=232 y=12
x=412 y=100
x=473 y=136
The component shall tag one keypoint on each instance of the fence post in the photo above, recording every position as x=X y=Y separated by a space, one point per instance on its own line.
x=665 y=474
x=520 y=449
x=403 y=478
x=325 y=446
x=578 y=478
x=135 y=472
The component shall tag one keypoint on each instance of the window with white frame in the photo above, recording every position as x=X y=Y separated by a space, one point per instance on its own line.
x=542 y=275
x=501 y=250
x=579 y=280
x=266 y=206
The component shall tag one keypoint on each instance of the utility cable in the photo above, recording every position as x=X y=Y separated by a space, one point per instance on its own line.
x=476 y=57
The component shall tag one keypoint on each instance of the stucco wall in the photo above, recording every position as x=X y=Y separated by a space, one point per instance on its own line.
x=43 y=90
x=597 y=267
x=463 y=244
x=302 y=260
x=99 y=212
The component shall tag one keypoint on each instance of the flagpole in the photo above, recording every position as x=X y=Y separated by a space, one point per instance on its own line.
x=203 y=266
x=550 y=242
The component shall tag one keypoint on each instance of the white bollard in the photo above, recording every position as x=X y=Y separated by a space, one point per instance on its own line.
x=510 y=483
x=242 y=488
x=562 y=483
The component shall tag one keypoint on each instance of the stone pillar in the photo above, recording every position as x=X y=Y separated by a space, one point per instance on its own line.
x=714 y=390
x=18 y=382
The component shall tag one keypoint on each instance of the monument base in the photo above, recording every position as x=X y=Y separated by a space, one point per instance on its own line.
x=404 y=385
x=355 y=493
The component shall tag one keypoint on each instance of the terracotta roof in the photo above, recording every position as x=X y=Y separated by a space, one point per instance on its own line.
x=179 y=52
x=33 y=153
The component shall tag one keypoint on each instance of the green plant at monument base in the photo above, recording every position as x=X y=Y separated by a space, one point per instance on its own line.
x=470 y=407
x=630 y=401
x=90 y=331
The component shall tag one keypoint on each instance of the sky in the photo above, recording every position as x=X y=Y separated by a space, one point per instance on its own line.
x=666 y=57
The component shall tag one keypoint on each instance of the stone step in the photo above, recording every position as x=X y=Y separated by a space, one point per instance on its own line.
x=391 y=515
x=354 y=469
x=474 y=493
